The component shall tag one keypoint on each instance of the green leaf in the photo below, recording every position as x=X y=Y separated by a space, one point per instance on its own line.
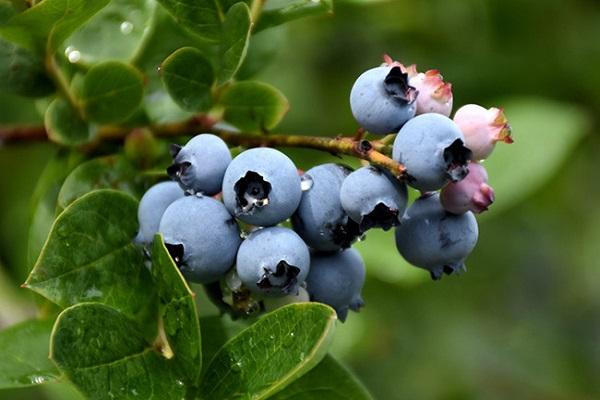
x=19 y=110
x=294 y=10
x=214 y=336
x=122 y=22
x=111 y=92
x=517 y=170
x=106 y=356
x=178 y=312
x=203 y=17
x=24 y=360
x=262 y=50
x=48 y=24
x=89 y=256
x=65 y=126
x=44 y=199
x=328 y=380
x=270 y=354
x=235 y=39
x=22 y=71
x=254 y=106
x=7 y=10
x=189 y=77
x=108 y=172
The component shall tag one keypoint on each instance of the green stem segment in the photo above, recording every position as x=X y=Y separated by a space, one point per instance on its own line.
x=375 y=151
x=62 y=83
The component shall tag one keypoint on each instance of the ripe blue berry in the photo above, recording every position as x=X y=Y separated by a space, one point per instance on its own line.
x=431 y=147
x=429 y=237
x=202 y=237
x=273 y=261
x=262 y=187
x=373 y=198
x=320 y=219
x=152 y=206
x=337 y=280
x=382 y=100
x=199 y=166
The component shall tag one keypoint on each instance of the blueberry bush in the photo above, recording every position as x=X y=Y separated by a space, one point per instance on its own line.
x=168 y=190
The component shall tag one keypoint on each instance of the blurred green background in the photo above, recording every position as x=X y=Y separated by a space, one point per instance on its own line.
x=524 y=322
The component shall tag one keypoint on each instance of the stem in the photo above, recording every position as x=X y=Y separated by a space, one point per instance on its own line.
x=256 y=9
x=376 y=151
x=62 y=83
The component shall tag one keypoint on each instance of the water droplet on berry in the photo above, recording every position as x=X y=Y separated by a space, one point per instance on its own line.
x=306 y=182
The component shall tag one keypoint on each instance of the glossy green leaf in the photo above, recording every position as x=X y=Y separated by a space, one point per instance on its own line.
x=328 y=380
x=254 y=106
x=106 y=356
x=178 y=312
x=519 y=169
x=108 y=172
x=24 y=360
x=65 y=126
x=235 y=39
x=203 y=17
x=89 y=256
x=122 y=22
x=44 y=199
x=111 y=92
x=293 y=10
x=164 y=36
x=270 y=354
x=49 y=23
x=189 y=77
x=22 y=71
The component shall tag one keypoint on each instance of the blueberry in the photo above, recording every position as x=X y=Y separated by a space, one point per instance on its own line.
x=262 y=187
x=431 y=238
x=337 y=280
x=320 y=219
x=431 y=147
x=382 y=100
x=199 y=166
x=273 y=261
x=202 y=237
x=152 y=206
x=372 y=197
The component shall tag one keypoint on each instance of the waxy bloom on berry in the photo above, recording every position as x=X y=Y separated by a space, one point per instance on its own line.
x=482 y=128
x=471 y=194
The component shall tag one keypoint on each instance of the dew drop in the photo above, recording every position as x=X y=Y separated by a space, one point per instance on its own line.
x=72 y=54
x=179 y=383
x=126 y=27
x=38 y=379
x=306 y=182
x=236 y=366
x=302 y=356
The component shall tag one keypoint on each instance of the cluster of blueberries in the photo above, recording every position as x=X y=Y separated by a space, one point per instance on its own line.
x=225 y=221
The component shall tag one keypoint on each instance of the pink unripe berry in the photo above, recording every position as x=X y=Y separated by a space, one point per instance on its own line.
x=435 y=95
x=482 y=128
x=471 y=194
